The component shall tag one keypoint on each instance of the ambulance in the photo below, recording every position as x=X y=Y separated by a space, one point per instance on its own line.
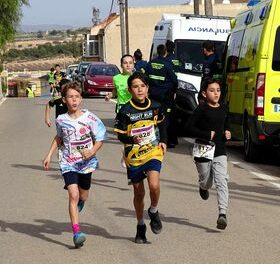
x=253 y=77
x=188 y=32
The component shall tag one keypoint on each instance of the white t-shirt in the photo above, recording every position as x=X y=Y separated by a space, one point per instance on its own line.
x=78 y=134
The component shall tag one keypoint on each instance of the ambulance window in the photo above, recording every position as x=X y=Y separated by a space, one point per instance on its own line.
x=234 y=51
x=276 y=52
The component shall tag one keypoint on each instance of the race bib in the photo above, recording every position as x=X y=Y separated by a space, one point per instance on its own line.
x=203 y=149
x=146 y=134
x=77 y=146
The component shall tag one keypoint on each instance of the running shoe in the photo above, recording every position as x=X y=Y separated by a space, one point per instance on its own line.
x=140 y=237
x=204 y=194
x=156 y=225
x=222 y=222
x=80 y=205
x=79 y=238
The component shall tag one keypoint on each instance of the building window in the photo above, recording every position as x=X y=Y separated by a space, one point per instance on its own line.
x=93 y=48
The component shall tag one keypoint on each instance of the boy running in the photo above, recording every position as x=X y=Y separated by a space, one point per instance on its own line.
x=82 y=134
x=209 y=122
x=57 y=102
x=140 y=126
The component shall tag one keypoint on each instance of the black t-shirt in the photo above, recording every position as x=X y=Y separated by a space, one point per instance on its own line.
x=206 y=119
x=146 y=121
x=58 y=76
x=60 y=106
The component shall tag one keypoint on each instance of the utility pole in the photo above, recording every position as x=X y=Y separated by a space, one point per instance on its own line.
x=126 y=27
x=196 y=7
x=208 y=7
x=122 y=25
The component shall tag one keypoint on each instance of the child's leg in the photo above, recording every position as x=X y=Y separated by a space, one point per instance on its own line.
x=154 y=186
x=84 y=186
x=73 y=192
x=153 y=180
x=204 y=174
x=220 y=174
x=138 y=200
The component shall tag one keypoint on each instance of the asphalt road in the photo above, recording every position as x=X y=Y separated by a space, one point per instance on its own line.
x=34 y=221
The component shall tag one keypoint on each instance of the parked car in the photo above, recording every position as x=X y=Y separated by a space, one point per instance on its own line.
x=99 y=79
x=70 y=70
x=80 y=71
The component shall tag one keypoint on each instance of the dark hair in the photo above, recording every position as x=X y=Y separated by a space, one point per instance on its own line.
x=138 y=54
x=126 y=55
x=52 y=69
x=71 y=85
x=206 y=82
x=170 y=46
x=161 y=50
x=137 y=75
x=208 y=45
x=57 y=65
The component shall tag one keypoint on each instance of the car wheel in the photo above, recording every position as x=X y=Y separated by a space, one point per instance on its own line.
x=251 y=150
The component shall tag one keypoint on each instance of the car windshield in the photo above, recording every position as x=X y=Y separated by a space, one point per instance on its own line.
x=70 y=69
x=189 y=53
x=83 y=67
x=103 y=70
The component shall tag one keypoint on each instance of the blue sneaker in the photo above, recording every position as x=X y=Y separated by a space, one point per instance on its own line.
x=79 y=238
x=81 y=204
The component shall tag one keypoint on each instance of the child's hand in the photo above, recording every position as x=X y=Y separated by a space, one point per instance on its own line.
x=137 y=139
x=46 y=162
x=87 y=153
x=212 y=135
x=108 y=96
x=163 y=147
x=227 y=135
x=48 y=122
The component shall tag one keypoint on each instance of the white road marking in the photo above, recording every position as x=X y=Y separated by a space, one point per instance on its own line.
x=3 y=100
x=269 y=178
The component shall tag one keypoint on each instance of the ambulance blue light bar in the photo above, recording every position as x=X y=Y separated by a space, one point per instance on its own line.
x=252 y=2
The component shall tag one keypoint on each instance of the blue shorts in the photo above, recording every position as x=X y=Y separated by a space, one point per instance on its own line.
x=138 y=173
x=82 y=180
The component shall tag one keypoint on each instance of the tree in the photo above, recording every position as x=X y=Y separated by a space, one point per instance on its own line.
x=40 y=34
x=10 y=15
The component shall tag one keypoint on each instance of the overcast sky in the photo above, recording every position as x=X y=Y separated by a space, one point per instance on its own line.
x=77 y=12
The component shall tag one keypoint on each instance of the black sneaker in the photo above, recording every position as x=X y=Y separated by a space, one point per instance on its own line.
x=204 y=194
x=80 y=205
x=222 y=221
x=140 y=237
x=155 y=223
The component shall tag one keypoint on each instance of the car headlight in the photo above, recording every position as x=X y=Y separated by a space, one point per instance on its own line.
x=186 y=86
x=91 y=82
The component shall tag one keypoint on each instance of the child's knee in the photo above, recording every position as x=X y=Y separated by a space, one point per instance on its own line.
x=139 y=194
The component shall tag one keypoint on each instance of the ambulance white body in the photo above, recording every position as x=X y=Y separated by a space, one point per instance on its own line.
x=188 y=32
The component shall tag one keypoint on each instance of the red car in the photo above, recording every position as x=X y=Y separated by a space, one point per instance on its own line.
x=99 y=79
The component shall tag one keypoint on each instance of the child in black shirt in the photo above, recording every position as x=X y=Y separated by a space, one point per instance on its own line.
x=209 y=122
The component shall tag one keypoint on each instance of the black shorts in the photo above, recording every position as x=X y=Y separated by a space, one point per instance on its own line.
x=82 y=180
x=138 y=173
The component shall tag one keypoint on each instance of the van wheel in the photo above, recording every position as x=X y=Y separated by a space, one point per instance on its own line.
x=251 y=150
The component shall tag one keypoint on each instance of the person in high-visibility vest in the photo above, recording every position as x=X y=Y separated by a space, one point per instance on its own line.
x=29 y=92
x=163 y=85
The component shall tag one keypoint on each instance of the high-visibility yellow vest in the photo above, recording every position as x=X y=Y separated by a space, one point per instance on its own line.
x=30 y=93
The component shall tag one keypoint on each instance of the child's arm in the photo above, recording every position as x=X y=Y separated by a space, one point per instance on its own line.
x=47 y=115
x=55 y=143
x=89 y=153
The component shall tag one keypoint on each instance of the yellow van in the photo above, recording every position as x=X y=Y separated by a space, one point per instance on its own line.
x=253 y=77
